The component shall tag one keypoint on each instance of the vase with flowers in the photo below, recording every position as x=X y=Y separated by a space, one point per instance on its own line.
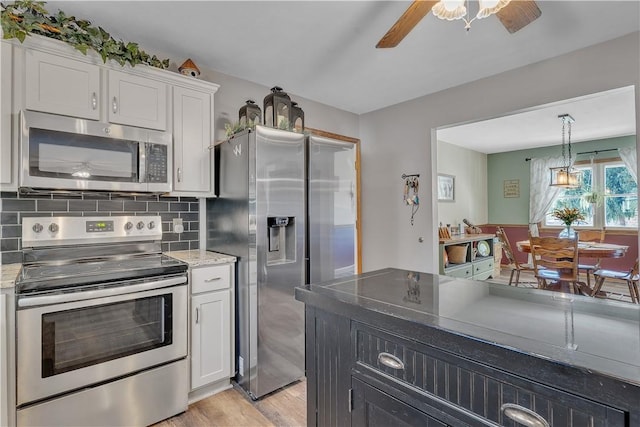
x=568 y=216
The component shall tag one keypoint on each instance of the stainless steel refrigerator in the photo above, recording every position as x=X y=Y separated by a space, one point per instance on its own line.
x=331 y=185
x=260 y=216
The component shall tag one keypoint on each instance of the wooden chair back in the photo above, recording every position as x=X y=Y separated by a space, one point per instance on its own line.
x=556 y=254
x=592 y=235
x=506 y=246
x=635 y=271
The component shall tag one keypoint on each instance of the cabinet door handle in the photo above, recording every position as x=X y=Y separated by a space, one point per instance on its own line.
x=390 y=360
x=94 y=100
x=197 y=315
x=213 y=279
x=114 y=105
x=522 y=415
x=179 y=175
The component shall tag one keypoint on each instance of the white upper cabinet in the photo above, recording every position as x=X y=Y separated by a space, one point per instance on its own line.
x=191 y=140
x=8 y=152
x=59 y=85
x=137 y=101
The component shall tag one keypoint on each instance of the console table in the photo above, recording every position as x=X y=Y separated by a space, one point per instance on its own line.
x=477 y=264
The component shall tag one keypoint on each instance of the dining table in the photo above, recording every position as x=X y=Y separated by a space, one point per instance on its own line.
x=587 y=249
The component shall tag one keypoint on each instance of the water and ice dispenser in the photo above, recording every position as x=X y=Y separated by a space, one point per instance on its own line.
x=281 y=240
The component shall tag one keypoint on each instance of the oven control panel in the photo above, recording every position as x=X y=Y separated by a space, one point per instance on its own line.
x=99 y=226
x=58 y=231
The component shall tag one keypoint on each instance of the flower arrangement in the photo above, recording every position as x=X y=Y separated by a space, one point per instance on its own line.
x=568 y=215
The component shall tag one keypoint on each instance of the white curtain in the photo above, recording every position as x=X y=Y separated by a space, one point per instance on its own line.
x=630 y=159
x=541 y=196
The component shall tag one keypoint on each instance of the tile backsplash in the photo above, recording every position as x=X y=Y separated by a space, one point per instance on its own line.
x=15 y=206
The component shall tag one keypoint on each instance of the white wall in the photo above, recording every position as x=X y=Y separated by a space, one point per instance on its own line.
x=398 y=140
x=234 y=92
x=470 y=170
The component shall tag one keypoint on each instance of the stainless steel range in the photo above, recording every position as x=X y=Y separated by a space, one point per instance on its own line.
x=101 y=323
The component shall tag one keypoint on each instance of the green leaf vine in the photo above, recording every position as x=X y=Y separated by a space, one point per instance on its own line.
x=24 y=17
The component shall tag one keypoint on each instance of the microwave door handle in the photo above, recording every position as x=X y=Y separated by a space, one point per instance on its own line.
x=142 y=162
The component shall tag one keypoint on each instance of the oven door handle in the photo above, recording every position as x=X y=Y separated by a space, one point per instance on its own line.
x=99 y=293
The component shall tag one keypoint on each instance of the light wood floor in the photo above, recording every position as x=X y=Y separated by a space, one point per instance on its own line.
x=285 y=407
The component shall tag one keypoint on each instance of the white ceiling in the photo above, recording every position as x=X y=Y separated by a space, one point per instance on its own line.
x=325 y=50
x=602 y=115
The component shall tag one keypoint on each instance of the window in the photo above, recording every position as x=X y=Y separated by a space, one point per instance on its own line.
x=616 y=197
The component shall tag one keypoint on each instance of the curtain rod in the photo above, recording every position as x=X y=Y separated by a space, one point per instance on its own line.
x=586 y=152
x=597 y=151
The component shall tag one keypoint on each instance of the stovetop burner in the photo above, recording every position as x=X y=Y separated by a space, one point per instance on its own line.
x=36 y=278
x=88 y=251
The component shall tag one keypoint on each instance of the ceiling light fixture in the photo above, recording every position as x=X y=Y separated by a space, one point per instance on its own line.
x=457 y=9
x=566 y=176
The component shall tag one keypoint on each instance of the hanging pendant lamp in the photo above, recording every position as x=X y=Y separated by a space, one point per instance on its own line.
x=566 y=176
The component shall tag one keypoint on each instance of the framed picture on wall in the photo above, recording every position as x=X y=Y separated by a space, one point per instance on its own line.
x=446 y=188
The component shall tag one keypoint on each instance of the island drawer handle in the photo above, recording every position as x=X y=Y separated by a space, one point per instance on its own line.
x=522 y=415
x=390 y=360
x=213 y=279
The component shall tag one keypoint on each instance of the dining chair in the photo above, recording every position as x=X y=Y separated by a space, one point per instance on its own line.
x=631 y=277
x=516 y=266
x=591 y=236
x=555 y=259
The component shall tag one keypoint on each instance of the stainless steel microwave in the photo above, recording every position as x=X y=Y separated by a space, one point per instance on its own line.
x=59 y=152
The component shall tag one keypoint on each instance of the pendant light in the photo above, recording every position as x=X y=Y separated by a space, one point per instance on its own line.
x=566 y=176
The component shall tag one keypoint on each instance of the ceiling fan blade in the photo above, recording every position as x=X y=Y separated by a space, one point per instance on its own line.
x=518 y=14
x=408 y=20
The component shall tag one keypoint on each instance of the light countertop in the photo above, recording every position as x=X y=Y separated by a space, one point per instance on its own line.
x=196 y=257
x=8 y=274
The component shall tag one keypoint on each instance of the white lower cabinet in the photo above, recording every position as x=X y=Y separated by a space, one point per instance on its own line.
x=211 y=324
x=4 y=387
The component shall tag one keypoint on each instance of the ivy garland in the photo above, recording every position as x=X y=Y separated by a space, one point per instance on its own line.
x=24 y=17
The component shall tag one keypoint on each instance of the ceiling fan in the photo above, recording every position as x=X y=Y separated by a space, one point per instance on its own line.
x=514 y=15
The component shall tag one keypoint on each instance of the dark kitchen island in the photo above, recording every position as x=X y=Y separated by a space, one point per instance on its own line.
x=394 y=347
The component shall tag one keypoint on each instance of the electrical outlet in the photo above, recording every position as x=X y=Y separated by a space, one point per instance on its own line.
x=177 y=225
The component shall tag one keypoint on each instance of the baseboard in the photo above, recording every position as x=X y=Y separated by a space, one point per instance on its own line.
x=209 y=390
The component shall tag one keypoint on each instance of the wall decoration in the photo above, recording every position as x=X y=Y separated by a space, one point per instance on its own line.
x=410 y=193
x=446 y=188
x=511 y=188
